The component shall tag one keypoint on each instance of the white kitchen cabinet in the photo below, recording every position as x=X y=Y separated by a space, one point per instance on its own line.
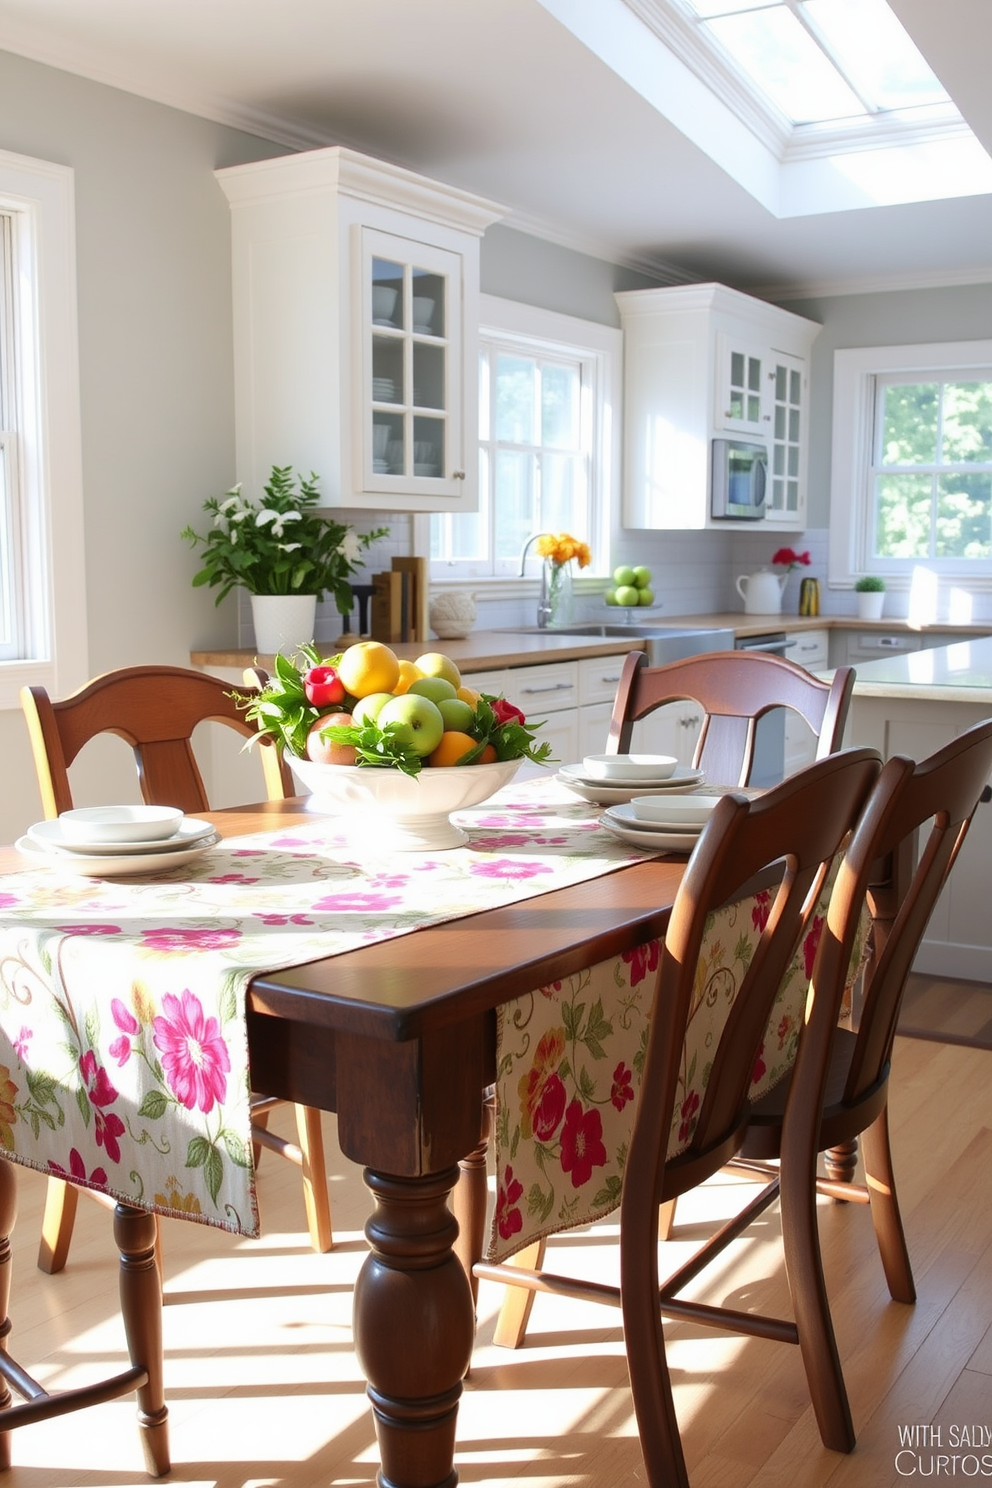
x=810 y=649
x=700 y=362
x=356 y=291
x=550 y=693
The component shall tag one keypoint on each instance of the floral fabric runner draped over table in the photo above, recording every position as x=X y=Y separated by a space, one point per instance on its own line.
x=123 y=1049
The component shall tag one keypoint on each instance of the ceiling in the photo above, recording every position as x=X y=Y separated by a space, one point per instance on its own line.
x=499 y=97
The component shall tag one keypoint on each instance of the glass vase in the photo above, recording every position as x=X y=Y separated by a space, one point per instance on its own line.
x=559 y=585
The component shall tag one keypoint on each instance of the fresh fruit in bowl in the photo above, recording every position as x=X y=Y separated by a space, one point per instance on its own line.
x=366 y=709
x=408 y=753
x=630 y=587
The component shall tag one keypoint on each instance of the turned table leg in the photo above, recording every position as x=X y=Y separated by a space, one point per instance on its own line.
x=414 y=1327
x=135 y=1232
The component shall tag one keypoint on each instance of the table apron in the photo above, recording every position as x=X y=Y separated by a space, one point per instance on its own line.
x=408 y=1108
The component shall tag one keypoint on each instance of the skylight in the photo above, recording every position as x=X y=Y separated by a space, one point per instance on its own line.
x=821 y=61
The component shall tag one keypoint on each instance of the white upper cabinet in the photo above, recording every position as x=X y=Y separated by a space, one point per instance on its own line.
x=702 y=362
x=356 y=288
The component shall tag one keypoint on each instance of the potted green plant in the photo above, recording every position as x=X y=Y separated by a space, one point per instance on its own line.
x=870 y=590
x=283 y=551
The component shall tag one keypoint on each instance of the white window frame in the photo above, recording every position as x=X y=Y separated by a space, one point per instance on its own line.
x=856 y=373
x=600 y=348
x=44 y=459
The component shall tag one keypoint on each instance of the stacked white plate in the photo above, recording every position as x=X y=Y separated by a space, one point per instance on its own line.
x=117 y=841
x=383 y=390
x=609 y=792
x=655 y=822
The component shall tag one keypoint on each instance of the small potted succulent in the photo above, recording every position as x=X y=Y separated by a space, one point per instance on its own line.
x=870 y=590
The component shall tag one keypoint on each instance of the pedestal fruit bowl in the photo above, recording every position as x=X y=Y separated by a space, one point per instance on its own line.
x=394 y=811
x=392 y=747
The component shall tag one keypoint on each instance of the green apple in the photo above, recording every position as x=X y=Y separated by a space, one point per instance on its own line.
x=420 y=722
x=645 y=596
x=642 y=577
x=623 y=576
x=610 y=596
x=457 y=714
x=435 y=688
x=370 y=707
x=436 y=664
x=628 y=595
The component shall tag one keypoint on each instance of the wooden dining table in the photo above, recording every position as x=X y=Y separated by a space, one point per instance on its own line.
x=398 y=1038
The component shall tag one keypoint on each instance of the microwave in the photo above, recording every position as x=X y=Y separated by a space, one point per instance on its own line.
x=739 y=478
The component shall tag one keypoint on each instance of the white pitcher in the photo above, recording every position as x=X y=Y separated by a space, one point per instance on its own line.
x=762 y=592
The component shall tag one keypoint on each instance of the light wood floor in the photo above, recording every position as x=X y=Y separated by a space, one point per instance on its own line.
x=264 y=1389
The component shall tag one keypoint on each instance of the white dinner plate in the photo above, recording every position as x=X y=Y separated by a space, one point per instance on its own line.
x=106 y=865
x=623 y=815
x=650 y=840
x=605 y=793
x=192 y=830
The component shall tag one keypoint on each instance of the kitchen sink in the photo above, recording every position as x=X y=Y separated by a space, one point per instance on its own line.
x=664 y=643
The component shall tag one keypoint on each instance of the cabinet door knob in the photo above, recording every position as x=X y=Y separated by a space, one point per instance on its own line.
x=458 y=475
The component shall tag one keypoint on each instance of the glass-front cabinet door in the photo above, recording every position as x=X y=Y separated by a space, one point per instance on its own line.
x=410 y=403
x=740 y=390
x=787 y=384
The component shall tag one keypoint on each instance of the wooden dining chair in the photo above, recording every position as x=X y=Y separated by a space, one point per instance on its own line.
x=839 y=1084
x=700 y=1055
x=156 y=709
x=735 y=689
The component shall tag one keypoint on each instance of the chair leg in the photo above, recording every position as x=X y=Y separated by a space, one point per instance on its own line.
x=469 y=1200
x=56 y=1226
x=315 y=1196
x=647 y=1362
x=841 y=1162
x=136 y=1231
x=884 y=1205
x=514 y=1315
x=811 y=1308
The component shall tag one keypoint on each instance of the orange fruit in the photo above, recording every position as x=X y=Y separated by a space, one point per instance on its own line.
x=488 y=755
x=368 y=667
x=468 y=695
x=409 y=672
x=454 y=746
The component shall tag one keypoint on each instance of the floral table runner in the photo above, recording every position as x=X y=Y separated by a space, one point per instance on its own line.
x=123 y=1049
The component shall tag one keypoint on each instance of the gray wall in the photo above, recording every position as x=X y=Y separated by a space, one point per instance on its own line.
x=895 y=318
x=519 y=267
x=153 y=271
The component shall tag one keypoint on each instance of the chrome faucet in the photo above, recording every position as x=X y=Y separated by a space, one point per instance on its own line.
x=543 y=599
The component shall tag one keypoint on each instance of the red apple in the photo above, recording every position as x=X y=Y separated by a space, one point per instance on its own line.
x=325 y=751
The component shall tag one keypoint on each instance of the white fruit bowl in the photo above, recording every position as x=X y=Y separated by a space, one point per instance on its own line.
x=387 y=810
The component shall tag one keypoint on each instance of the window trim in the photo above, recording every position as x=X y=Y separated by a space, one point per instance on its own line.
x=855 y=374
x=549 y=331
x=41 y=197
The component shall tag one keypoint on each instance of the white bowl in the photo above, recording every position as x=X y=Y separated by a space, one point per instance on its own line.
x=629 y=766
x=410 y=812
x=675 y=811
x=383 y=301
x=423 y=312
x=120 y=823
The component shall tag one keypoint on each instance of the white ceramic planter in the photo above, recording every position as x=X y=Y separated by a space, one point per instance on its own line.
x=871 y=604
x=282 y=622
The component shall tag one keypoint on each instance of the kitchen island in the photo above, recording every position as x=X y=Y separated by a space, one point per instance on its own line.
x=913 y=705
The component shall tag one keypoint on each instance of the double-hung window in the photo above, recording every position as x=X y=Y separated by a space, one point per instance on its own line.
x=42 y=576
x=547 y=405
x=912 y=465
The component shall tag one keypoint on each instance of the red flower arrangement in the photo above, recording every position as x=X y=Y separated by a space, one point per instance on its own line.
x=789 y=558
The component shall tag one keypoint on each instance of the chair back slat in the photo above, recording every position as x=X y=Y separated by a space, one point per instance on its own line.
x=153 y=709
x=734 y=689
x=935 y=801
x=783 y=842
